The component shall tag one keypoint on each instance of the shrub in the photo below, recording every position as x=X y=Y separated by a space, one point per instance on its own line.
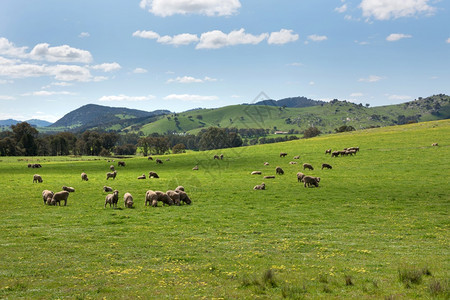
x=311 y=132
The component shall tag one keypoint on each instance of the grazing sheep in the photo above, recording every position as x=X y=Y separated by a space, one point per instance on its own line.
x=256 y=173
x=84 y=177
x=184 y=197
x=283 y=154
x=155 y=197
x=434 y=144
x=297 y=157
x=150 y=158
x=328 y=151
x=221 y=156
x=158 y=161
x=300 y=176
x=141 y=177
x=335 y=154
x=112 y=198
x=307 y=166
x=353 y=148
x=174 y=196
x=261 y=186
x=111 y=175
x=107 y=189
x=121 y=163
x=128 y=200
x=68 y=189
x=195 y=168
x=216 y=157
x=327 y=166
x=152 y=175
x=111 y=167
x=269 y=177
x=47 y=196
x=266 y=163
x=29 y=165
x=36 y=166
x=37 y=178
x=57 y=197
x=351 y=152
x=179 y=188
x=292 y=162
x=309 y=180
x=279 y=170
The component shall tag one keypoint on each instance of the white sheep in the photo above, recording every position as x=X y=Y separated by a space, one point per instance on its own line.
x=128 y=200
x=112 y=199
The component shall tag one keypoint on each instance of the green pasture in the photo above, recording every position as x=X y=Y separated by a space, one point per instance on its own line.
x=377 y=227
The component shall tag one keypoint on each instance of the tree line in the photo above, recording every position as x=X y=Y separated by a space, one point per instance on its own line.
x=24 y=140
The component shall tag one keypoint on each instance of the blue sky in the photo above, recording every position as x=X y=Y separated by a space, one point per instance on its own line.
x=57 y=55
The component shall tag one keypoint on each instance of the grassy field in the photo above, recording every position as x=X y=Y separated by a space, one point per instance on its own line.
x=376 y=228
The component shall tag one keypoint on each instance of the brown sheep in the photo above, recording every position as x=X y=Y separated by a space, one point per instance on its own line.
x=112 y=199
x=269 y=177
x=256 y=173
x=128 y=200
x=300 y=176
x=84 y=177
x=266 y=163
x=283 y=154
x=279 y=170
x=179 y=188
x=37 y=178
x=434 y=144
x=111 y=175
x=307 y=166
x=297 y=157
x=57 y=197
x=111 y=167
x=261 y=186
x=141 y=177
x=221 y=156
x=174 y=196
x=47 y=196
x=121 y=163
x=184 y=197
x=327 y=166
x=150 y=158
x=153 y=197
x=309 y=180
x=216 y=157
x=107 y=188
x=152 y=174
x=292 y=162
x=158 y=161
x=195 y=168
x=335 y=154
x=68 y=189
x=328 y=151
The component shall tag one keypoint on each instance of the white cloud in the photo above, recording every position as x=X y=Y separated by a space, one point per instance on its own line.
x=139 y=71
x=190 y=79
x=8 y=48
x=5 y=97
x=282 y=37
x=217 y=39
x=107 y=67
x=122 y=97
x=356 y=94
x=317 y=38
x=399 y=97
x=311 y=83
x=371 y=78
x=166 y=8
x=179 y=39
x=296 y=64
x=84 y=35
x=63 y=53
x=393 y=9
x=448 y=41
x=3 y=81
x=397 y=36
x=190 y=98
x=341 y=9
x=47 y=93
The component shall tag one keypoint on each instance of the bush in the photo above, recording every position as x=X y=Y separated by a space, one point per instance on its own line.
x=311 y=132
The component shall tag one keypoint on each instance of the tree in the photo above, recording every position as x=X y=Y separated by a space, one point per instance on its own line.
x=311 y=132
x=25 y=136
x=344 y=128
x=178 y=148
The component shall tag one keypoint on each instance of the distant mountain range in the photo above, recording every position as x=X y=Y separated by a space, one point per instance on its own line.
x=290 y=114
x=32 y=122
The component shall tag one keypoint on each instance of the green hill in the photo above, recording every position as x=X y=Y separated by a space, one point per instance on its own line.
x=326 y=116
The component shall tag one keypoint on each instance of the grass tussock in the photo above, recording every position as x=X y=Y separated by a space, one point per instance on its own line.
x=412 y=274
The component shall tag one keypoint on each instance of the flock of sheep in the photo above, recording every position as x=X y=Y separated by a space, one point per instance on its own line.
x=308 y=181
x=171 y=197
